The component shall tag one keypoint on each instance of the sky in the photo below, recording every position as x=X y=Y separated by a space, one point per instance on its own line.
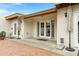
x=24 y=8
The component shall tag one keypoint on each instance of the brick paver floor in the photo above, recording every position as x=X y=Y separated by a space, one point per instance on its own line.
x=12 y=48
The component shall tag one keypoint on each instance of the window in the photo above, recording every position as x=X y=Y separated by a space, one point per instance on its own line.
x=37 y=28
x=42 y=29
x=15 y=28
x=52 y=27
x=78 y=32
x=47 y=29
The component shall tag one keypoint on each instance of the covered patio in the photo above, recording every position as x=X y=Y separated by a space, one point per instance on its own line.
x=41 y=25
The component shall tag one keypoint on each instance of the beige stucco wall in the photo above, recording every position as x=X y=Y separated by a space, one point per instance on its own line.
x=62 y=26
x=4 y=25
x=12 y=22
x=28 y=28
x=75 y=25
x=62 y=31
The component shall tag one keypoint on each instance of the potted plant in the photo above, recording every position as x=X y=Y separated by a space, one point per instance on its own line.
x=2 y=35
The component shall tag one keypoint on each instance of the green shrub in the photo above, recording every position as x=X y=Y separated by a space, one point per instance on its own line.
x=2 y=35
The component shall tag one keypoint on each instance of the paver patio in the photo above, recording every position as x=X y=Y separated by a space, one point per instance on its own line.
x=12 y=48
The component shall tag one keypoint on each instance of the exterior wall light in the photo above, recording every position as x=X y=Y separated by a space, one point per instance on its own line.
x=66 y=14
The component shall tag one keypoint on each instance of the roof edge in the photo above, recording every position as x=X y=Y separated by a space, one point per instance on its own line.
x=13 y=15
x=40 y=13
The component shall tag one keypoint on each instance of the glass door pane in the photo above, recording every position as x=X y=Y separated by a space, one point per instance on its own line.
x=15 y=29
x=47 y=29
x=42 y=29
